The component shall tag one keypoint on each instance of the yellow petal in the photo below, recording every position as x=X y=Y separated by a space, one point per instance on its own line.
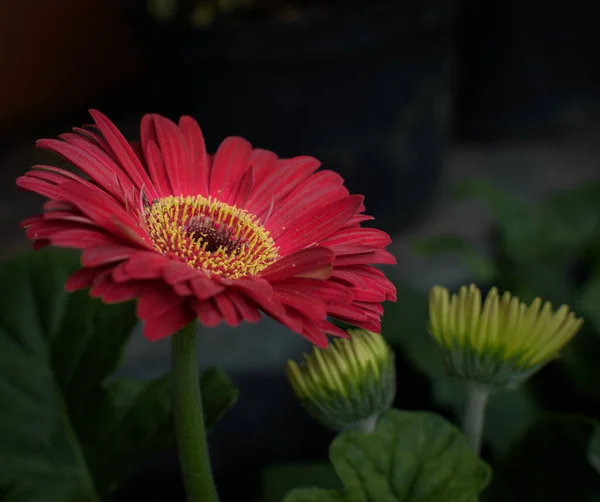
x=296 y=379
x=474 y=315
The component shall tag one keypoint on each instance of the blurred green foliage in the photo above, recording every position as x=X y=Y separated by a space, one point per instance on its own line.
x=551 y=250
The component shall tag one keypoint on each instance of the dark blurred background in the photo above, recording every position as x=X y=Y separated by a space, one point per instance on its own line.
x=406 y=99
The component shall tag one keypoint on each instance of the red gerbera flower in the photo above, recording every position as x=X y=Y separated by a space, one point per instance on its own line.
x=221 y=237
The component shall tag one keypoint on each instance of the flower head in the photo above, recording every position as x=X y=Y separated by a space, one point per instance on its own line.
x=348 y=382
x=502 y=341
x=216 y=237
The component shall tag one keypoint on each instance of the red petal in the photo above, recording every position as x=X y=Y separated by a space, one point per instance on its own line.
x=169 y=323
x=176 y=271
x=205 y=288
x=318 y=190
x=246 y=308
x=45 y=189
x=310 y=329
x=122 y=150
x=298 y=263
x=119 y=274
x=303 y=302
x=283 y=178
x=348 y=312
x=183 y=289
x=323 y=290
x=80 y=238
x=145 y=265
x=229 y=164
x=40 y=244
x=227 y=309
x=375 y=309
x=93 y=137
x=199 y=161
x=156 y=299
x=380 y=256
x=102 y=209
x=39 y=168
x=157 y=169
x=332 y=329
x=358 y=219
x=207 y=312
x=239 y=196
x=91 y=160
x=370 y=237
x=45 y=229
x=111 y=292
x=314 y=226
x=175 y=154
x=31 y=220
x=83 y=278
x=262 y=162
x=351 y=278
x=271 y=306
x=257 y=285
x=108 y=253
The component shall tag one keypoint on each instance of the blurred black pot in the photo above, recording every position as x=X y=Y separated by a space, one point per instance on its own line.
x=367 y=91
x=531 y=69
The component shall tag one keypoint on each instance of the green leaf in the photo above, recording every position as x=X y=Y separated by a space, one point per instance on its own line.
x=65 y=433
x=135 y=421
x=549 y=464
x=55 y=351
x=410 y=457
x=219 y=395
x=482 y=268
x=278 y=480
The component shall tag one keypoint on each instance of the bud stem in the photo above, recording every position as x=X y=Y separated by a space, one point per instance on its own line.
x=189 y=419
x=367 y=425
x=474 y=417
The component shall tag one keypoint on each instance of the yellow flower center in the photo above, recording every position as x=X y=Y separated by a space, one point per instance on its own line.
x=211 y=235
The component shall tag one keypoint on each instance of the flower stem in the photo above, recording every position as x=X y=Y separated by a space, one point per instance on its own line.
x=189 y=419
x=474 y=417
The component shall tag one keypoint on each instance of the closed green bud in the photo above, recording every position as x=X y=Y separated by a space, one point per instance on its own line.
x=348 y=384
x=500 y=341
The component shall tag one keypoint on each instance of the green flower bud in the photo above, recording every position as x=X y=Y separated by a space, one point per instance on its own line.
x=500 y=342
x=349 y=383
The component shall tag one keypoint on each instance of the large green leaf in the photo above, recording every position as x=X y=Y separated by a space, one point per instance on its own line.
x=549 y=464
x=65 y=433
x=410 y=457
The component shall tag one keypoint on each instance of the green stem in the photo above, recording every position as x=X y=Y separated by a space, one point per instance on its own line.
x=474 y=417
x=367 y=425
x=189 y=419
